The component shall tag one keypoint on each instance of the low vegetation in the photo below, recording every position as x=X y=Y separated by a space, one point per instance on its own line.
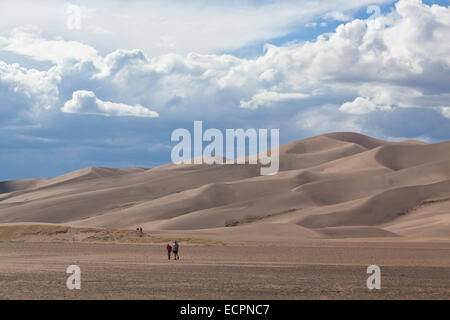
x=52 y=233
x=423 y=203
x=251 y=219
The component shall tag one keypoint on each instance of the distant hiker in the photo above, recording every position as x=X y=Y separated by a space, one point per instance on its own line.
x=175 y=251
x=169 y=250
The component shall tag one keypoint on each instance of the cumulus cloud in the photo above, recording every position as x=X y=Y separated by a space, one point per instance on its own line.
x=362 y=68
x=26 y=92
x=445 y=112
x=362 y=106
x=85 y=102
x=379 y=62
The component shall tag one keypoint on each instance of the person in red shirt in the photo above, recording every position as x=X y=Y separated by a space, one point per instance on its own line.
x=169 y=250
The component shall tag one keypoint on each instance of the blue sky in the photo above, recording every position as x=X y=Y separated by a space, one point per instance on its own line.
x=104 y=83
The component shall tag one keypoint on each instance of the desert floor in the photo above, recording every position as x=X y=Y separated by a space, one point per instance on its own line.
x=319 y=269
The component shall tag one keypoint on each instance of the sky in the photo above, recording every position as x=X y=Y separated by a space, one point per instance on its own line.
x=105 y=83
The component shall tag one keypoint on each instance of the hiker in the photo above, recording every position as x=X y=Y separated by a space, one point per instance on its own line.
x=169 y=250
x=175 y=251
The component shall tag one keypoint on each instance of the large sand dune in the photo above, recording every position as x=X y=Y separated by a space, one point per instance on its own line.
x=338 y=185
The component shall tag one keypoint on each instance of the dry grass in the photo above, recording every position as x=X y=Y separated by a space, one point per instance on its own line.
x=52 y=233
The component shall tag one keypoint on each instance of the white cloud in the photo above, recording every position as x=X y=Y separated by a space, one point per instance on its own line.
x=420 y=138
x=319 y=120
x=269 y=98
x=85 y=102
x=358 y=106
x=158 y=27
x=445 y=112
x=27 y=91
x=27 y=41
x=35 y=139
x=337 y=16
x=311 y=25
x=362 y=106
x=100 y=30
x=367 y=66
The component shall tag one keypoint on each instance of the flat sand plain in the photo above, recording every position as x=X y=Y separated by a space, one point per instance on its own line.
x=310 y=270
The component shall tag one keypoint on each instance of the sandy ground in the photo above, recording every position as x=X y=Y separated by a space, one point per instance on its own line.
x=310 y=270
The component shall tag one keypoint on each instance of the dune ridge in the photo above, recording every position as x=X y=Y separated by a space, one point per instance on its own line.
x=338 y=185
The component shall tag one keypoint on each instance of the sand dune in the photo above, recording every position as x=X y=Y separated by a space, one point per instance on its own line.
x=17 y=185
x=338 y=185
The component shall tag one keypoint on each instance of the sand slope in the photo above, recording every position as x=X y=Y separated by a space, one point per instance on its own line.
x=336 y=185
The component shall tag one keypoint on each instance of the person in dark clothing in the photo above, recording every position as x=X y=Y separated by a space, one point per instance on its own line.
x=169 y=250
x=175 y=251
